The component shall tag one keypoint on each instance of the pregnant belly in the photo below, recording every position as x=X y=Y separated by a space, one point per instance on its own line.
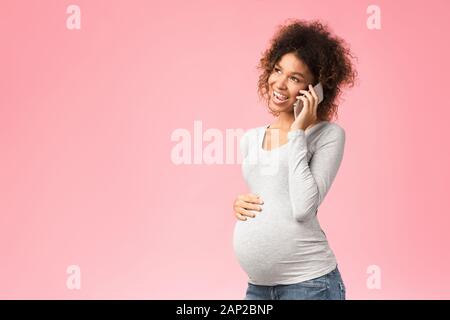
x=262 y=247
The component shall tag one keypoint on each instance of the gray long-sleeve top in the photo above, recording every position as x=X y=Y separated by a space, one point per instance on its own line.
x=284 y=243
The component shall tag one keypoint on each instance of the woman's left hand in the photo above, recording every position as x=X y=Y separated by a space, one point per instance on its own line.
x=308 y=115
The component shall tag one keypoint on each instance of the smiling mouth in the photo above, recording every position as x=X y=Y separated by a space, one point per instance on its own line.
x=278 y=98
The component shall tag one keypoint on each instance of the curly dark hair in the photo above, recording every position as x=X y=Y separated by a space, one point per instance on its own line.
x=327 y=57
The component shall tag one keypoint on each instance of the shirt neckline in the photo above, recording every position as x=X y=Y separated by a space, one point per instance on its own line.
x=264 y=128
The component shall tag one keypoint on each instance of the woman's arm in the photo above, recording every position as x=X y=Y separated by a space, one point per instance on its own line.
x=309 y=184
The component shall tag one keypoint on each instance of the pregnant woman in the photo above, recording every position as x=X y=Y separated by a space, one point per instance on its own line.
x=289 y=167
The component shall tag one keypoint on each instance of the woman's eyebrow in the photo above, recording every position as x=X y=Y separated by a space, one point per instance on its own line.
x=292 y=72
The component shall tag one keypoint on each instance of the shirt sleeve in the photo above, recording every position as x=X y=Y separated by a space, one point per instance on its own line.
x=309 y=184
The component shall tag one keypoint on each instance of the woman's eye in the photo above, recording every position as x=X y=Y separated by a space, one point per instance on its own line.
x=296 y=80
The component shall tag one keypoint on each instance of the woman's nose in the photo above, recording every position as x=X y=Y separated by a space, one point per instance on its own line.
x=281 y=86
x=281 y=83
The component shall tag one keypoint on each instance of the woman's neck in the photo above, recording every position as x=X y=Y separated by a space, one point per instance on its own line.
x=283 y=122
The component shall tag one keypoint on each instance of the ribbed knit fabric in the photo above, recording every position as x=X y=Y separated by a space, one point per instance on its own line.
x=284 y=243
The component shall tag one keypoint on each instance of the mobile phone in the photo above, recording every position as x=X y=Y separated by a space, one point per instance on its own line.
x=318 y=89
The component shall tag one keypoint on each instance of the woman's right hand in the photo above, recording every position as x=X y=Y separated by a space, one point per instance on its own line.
x=246 y=202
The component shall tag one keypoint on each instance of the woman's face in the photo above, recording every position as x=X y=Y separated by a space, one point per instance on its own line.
x=288 y=76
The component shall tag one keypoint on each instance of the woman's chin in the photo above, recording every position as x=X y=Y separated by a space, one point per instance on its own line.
x=280 y=107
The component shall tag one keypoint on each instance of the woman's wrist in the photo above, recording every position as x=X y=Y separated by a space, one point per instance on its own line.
x=298 y=128
x=295 y=133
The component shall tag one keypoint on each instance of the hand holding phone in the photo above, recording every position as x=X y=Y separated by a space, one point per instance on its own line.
x=298 y=106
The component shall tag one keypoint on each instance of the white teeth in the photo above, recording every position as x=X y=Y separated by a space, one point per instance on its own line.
x=280 y=96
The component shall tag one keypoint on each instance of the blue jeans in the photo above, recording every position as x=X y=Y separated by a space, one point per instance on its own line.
x=327 y=287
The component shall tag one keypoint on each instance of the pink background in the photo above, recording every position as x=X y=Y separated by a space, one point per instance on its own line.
x=86 y=176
